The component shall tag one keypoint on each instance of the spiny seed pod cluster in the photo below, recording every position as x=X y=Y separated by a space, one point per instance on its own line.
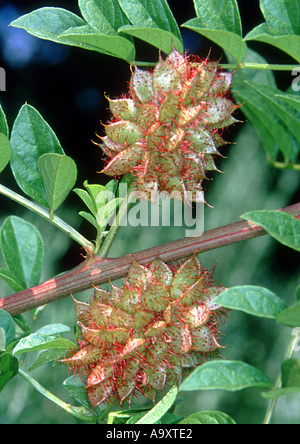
x=151 y=333
x=167 y=132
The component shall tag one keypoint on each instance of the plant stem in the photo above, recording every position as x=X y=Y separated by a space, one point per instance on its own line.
x=259 y=66
x=283 y=166
x=79 y=412
x=96 y=270
x=278 y=385
x=43 y=212
x=123 y=210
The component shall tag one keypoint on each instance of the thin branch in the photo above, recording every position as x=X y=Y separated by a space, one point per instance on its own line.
x=44 y=213
x=259 y=66
x=97 y=271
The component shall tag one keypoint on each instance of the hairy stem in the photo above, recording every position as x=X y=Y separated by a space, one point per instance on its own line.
x=97 y=270
x=44 y=213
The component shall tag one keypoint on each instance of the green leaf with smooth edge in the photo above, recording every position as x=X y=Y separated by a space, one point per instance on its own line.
x=216 y=418
x=31 y=138
x=62 y=26
x=294 y=100
x=113 y=45
x=289 y=116
x=8 y=325
x=59 y=174
x=275 y=135
x=2 y=340
x=161 y=408
x=282 y=226
x=256 y=301
x=3 y=123
x=9 y=367
x=290 y=377
x=49 y=24
x=229 y=41
x=46 y=357
x=289 y=44
x=10 y=279
x=53 y=329
x=44 y=339
x=104 y=15
x=5 y=151
x=220 y=14
x=282 y=15
x=23 y=250
x=290 y=316
x=225 y=375
x=91 y=219
x=153 y=23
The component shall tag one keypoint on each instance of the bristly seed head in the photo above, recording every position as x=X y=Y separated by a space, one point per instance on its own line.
x=163 y=323
x=168 y=131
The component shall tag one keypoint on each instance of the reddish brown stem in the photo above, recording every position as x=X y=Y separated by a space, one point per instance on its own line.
x=98 y=271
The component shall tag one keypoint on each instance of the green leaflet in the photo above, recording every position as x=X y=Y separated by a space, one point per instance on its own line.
x=100 y=201
x=152 y=22
x=5 y=151
x=282 y=27
x=274 y=114
x=104 y=15
x=220 y=22
x=212 y=418
x=9 y=367
x=62 y=26
x=282 y=15
x=8 y=328
x=31 y=138
x=23 y=251
x=59 y=174
x=282 y=226
x=290 y=316
x=225 y=375
x=220 y=14
x=44 y=339
x=253 y=300
x=3 y=123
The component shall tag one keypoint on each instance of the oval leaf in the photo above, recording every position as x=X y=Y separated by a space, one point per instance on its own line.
x=282 y=226
x=290 y=316
x=220 y=14
x=216 y=418
x=9 y=367
x=225 y=375
x=3 y=123
x=23 y=251
x=44 y=339
x=59 y=174
x=31 y=138
x=152 y=22
x=256 y=301
x=5 y=151
x=8 y=325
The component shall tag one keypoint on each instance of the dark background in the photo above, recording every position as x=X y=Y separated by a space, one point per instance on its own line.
x=67 y=85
